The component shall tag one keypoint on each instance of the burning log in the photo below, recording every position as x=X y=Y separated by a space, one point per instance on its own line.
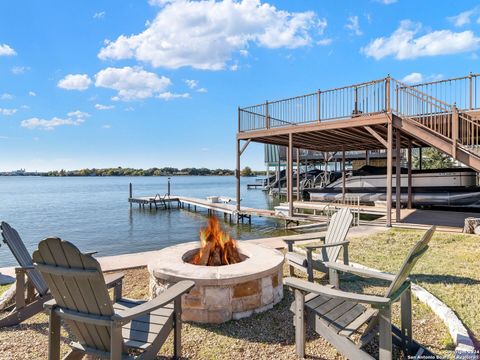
x=216 y=247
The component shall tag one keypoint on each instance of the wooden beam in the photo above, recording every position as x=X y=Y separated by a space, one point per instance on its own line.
x=298 y=174
x=245 y=146
x=376 y=135
x=343 y=175
x=290 y=174
x=409 y=162
x=366 y=120
x=398 y=176
x=389 y=174
x=237 y=175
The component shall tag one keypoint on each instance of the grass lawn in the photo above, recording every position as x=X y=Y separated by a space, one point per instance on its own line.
x=450 y=269
x=4 y=288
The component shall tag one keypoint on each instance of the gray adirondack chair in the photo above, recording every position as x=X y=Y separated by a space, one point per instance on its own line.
x=333 y=241
x=31 y=293
x=337 y=314
x=123 y=329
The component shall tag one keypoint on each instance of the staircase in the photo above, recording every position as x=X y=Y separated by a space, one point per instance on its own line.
x=437 y=123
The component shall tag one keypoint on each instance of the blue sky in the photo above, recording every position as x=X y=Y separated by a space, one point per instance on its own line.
x=157 y=83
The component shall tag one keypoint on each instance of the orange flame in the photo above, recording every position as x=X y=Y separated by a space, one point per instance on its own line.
x=216 y=246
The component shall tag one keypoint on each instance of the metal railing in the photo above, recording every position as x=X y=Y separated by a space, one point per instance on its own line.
x=463 y=91
x=340 y=103
x=423 y=108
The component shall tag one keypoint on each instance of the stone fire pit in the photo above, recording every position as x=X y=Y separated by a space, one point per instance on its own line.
x=221 y=293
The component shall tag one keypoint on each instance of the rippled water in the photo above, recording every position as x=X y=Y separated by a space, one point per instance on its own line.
x=93 y=212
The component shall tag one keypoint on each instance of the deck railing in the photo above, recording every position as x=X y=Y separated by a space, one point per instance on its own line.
x=423 y=108
x=340 y=103
x=463 y=91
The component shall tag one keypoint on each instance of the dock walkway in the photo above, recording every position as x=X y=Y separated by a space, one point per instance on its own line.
x=226 y=208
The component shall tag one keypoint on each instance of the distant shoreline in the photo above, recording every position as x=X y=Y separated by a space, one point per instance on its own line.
x=119 y=171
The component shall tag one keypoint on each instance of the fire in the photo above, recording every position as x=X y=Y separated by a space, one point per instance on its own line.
x=216 y=246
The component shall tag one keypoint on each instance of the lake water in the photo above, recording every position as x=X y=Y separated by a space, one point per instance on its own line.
x=93 y=212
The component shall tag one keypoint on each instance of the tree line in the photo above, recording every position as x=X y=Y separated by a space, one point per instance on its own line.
x=119 y=171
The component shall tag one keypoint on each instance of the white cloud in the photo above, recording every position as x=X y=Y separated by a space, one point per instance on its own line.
x=32 y=93
x=416 y=78
x=192 y=84
x=99 y=15
x=7 y=112
x=78 y=114
x=243 y=52
x=464 y=17
x=169 y=96
x=74 y=118
x=79 y=82
x=353 y=25
x=104 y=107
x=413 y=78
x=387 y=2
x=107 y=126
x=324 y=42
x=18 y=70
x=132 y=83
x=6 y=50
x=6 y=96
x=402 y=43
x=130 y=108
x=206 y=34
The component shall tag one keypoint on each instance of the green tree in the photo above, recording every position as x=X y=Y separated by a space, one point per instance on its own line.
x=432 y=159
x=247 y=171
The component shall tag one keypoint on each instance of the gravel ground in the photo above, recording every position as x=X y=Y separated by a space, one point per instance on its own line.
x=269 y=335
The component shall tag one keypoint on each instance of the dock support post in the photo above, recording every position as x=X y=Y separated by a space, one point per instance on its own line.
x=389 y=173
x=290 y=174
x=130 y=193
x=279 y=174
x=398 y=175
x=298 y=174
x=237 y=172
x=343 y=176
x=420 y=156
x=409 y=161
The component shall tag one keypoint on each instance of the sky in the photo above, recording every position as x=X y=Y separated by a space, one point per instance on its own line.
x=154 y=83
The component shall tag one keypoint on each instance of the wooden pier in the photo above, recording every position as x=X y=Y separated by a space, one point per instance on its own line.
x=228 y=210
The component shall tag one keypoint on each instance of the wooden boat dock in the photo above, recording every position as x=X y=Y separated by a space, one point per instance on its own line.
x=225 y=208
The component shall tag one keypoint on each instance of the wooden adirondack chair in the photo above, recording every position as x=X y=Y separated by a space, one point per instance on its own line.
x=37 y=291
x=337 y=314
x=333 y=241
x=123 y=329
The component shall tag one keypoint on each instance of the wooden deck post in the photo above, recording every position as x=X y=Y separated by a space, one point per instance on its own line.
x=420 y=158
x=299 y=323
x=298 y=174
x=409 y=161
x=319 y=109
x=470 y=77
x=290 y=174
x=343 y=175
x=389 y=173
x=454 y=130
x=237 y=175
x=398 y=176
x=367 y=157
x=130 y=193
